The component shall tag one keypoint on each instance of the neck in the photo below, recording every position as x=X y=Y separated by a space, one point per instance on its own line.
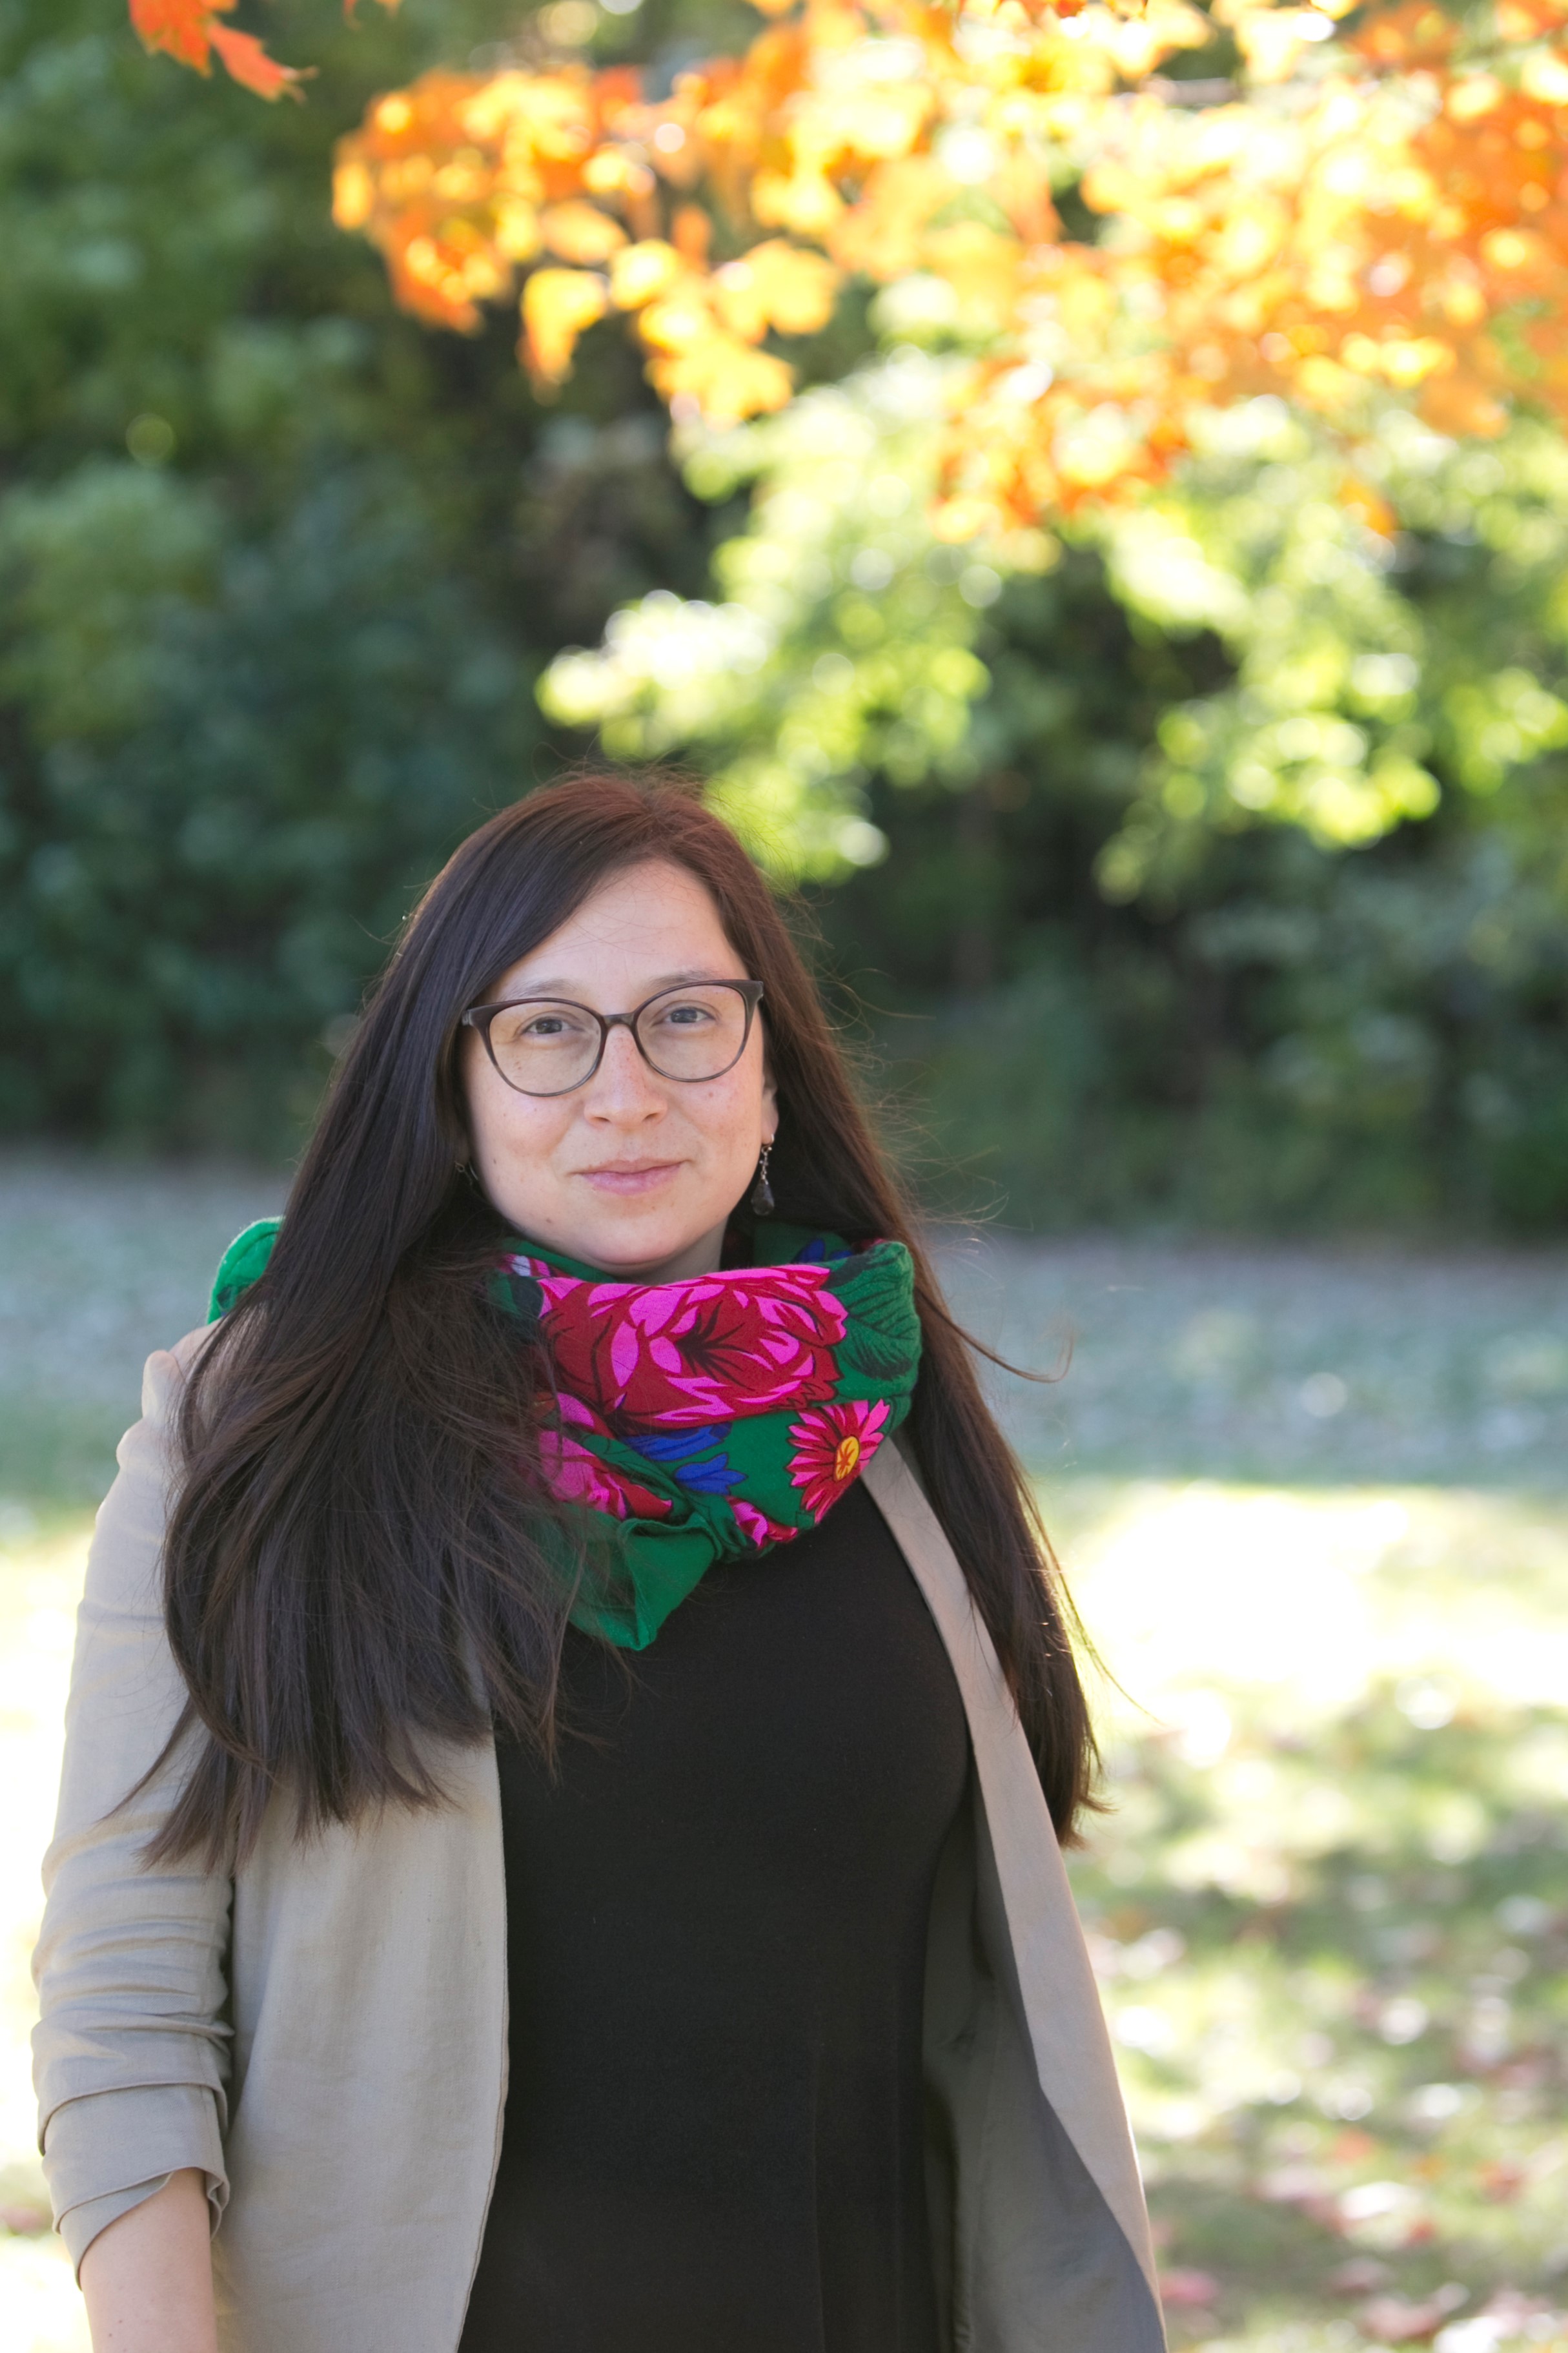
x=703 y=1256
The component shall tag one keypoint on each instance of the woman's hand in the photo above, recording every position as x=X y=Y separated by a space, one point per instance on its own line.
x=148 y=2278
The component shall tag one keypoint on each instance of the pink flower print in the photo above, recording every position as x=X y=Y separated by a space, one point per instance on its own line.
x=664 y=1356
x=757 y=1524
x=582 y=1417
x=833 y=1444
x=577 y=1476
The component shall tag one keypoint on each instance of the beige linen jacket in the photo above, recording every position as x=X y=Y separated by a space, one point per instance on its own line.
x=324 y=2031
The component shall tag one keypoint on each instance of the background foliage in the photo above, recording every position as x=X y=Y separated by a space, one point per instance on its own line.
x=277 y=571
x=1202 y=859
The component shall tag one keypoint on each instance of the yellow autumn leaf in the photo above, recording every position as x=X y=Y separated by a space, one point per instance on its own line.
x=517 y=230
x=805 y=202
x=680 y=320
x=580 y=232
x=775 y=285
x=728 y=379
x=557 y=305
x=611 y=171
x=883 y=234
x=980 y=264
x=641 y=273
x=1138 y=44
x=354 y=195
x=1544 y=75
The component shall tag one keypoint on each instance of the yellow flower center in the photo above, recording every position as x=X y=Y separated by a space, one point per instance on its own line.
x=846 y=1459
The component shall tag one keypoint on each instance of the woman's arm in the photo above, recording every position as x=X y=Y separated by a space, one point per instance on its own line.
x=148 y=2278
x=131 y=2046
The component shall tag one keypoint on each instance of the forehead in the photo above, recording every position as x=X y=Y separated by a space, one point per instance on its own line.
x=650 y=924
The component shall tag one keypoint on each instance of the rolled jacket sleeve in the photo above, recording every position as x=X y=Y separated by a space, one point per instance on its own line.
x=131 y=2053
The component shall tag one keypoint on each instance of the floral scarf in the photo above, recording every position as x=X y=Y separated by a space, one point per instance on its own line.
x=711 y=1418
x=700 y=1421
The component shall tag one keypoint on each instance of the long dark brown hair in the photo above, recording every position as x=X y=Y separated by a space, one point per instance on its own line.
x=354 y=1563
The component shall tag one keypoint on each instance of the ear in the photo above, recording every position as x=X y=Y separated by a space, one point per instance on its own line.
x=770 y=1103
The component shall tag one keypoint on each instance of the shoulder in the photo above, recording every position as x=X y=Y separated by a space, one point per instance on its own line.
x=244 y=1259
x=167 y=1370
x=146 y=1453
x=892 y=1480
x=164 y=1374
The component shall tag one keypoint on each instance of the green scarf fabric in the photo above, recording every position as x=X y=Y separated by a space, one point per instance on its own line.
x=704 y=1420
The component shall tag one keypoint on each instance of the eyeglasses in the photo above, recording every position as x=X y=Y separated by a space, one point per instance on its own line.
x=548 y=1046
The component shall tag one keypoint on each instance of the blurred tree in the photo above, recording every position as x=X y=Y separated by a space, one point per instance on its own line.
x=1300 y=267
x=1211 y=828
x=1154 y=994
x=277 y=574
x=1323 y=217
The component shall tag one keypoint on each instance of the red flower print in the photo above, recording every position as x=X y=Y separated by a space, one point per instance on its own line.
x=671 y=1356
x=833 y=1444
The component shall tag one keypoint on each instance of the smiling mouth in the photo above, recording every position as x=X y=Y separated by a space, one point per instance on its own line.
x=630 y=1175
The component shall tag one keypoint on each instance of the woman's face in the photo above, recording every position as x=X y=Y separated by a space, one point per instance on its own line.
x=631 y=1172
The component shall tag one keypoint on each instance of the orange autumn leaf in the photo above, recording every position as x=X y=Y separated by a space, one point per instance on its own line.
x=181 y=28
x=691 y=233
x=191 y=31
x=250 y=64
x=1362 y=499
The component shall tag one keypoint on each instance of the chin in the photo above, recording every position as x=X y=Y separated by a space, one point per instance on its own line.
x=633 y=1246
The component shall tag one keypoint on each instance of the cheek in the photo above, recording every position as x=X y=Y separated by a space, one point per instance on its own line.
x=479 y=1103
x=504 y=1126
x=732 y=1123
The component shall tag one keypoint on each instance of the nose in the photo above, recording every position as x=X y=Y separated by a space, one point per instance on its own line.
x=623 y=1089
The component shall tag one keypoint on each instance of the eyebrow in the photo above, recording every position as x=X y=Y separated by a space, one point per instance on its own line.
x=554 y=986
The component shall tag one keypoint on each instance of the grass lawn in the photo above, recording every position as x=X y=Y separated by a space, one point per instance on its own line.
x=1315 y=1509
x=1330 y=1910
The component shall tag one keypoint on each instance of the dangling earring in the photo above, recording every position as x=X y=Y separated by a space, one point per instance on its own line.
x=762 y=1191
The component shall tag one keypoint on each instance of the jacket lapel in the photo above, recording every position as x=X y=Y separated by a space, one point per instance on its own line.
x=1060 y=2000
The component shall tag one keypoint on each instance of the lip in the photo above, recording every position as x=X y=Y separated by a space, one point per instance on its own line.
x=629 y=1178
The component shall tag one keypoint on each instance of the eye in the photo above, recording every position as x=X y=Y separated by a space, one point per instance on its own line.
x=688 y=1015
x=521 y=1026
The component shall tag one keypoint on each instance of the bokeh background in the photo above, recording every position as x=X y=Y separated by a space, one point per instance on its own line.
x=1236 y=1097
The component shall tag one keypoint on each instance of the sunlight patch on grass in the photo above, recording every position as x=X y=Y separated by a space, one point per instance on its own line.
x=1316 y=1593
x=43 y=2311
x=1329 y=1908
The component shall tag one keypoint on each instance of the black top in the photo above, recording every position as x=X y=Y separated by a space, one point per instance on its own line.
x=716 y=1949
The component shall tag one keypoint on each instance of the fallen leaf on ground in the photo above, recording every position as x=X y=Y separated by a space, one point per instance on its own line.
x=1184 y=2291
x=1361 y=2276
x=25 y=2221
x=1393 y=2320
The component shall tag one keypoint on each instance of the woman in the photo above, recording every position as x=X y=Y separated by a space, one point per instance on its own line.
x=588 y=1881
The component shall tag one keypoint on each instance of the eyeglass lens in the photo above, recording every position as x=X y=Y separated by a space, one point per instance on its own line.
x=543 y=1048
